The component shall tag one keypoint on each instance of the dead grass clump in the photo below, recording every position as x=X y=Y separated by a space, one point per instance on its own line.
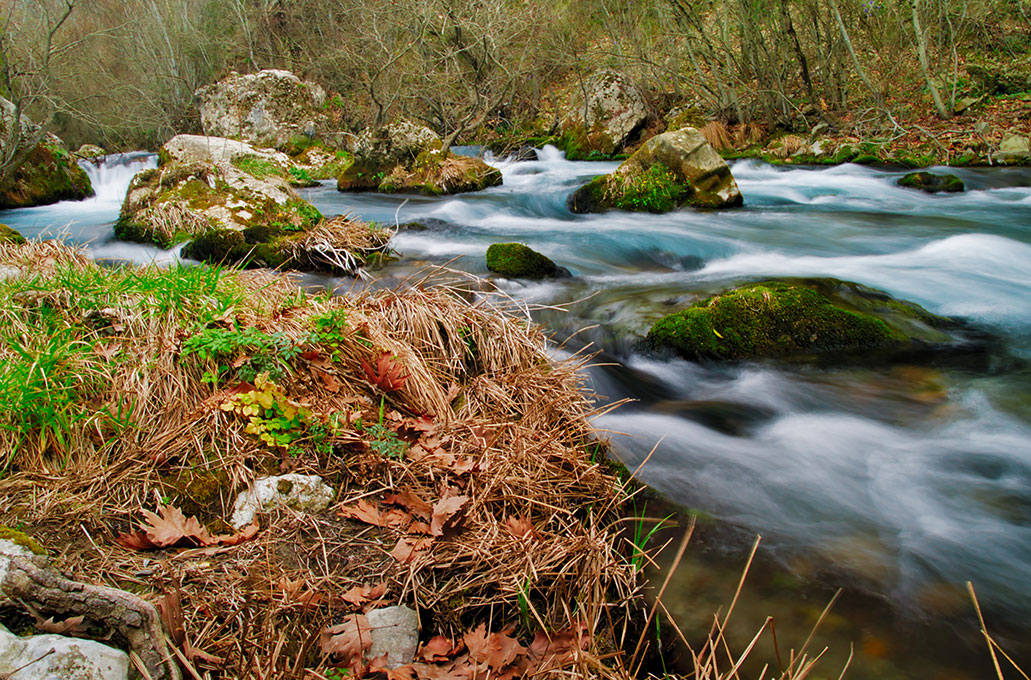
x=456 y=447
x=718 y=135
x=342 y=244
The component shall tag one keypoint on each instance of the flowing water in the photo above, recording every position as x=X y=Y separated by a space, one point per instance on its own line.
x=901 y=481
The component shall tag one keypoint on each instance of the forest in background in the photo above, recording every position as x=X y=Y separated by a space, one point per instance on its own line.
x=122 y=73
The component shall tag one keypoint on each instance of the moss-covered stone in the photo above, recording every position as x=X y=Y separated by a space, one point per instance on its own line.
x=518 y=261
x=9 y=235
x=22 y=539
x=795 y=316
x=669 y=171
x=48 y=175
x=932 y=183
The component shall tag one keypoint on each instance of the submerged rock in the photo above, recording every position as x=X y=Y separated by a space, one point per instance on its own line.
x=932 y=183
x=408 y=158
x=304 y=493
x=797 y=317
x=267 y=108
x=669 y=171
x=517 y=261
x=604 y=119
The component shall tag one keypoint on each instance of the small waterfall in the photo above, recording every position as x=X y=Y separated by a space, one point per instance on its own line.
x=110 y=175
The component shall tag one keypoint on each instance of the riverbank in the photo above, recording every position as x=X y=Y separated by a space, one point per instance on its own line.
x=455 y=470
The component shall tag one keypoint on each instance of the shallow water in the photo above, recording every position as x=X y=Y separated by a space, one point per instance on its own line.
x=900 y=481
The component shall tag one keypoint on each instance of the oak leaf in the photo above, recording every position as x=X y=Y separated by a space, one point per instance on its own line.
x=411 y=501
x=359 y=596
x=348 y=640
x=388 y=374
x=437 y=649
x=444 y=511
x=407 y=549
x=364 y=511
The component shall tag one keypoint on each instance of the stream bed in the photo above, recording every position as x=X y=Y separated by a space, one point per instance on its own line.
x=897 y=481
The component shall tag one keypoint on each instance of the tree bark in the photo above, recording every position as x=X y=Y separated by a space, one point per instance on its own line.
x=130 y=618
x=921 y=50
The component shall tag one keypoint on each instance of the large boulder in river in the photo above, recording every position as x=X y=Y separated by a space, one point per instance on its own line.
x=518 y=261
x=604 y=116
x=46 y=171
x=408 y=158
x=267 y=108
x=669 y=171
x=797 y=317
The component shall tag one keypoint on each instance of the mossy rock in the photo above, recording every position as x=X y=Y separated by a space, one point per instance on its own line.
x=229 y=246
x=517 y=261
x=932 y=183
x=22 y=539
x=796 y=317
x=670 y=171
x=48 y=175
x=9 y=235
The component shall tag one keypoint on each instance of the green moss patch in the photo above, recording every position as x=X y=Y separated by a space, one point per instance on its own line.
x=768 y=319
x=22 y=539
x=655 y=190
x=932 y=183
x=9 y=235
x=49 y=174
x=518 y=261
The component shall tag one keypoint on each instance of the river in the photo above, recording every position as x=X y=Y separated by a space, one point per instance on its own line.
x=900 y=481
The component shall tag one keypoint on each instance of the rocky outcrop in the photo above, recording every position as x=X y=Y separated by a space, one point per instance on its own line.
x=604 y=116
x=267 y=108
x=517 y=261
x=1009 y=76
x=669 y=171
x=408 y=158
x=931 y=183
x=46 y=172
x=797 y=317
x=56 y=657
x=205 y=183
x=1014 y=149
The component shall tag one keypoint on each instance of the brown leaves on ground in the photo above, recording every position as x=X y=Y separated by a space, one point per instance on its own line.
x=348 y=641
x=388 y=373
x=172 y=528
x=442 y=516
x=478 y=654
x=521 y=527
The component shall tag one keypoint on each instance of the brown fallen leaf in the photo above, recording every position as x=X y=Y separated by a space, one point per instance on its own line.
x=407 y=549
x=437 y=649
x=359 y=596
x=328 y=380
x=171 y=527
x=388 y=373
x=445 y=510
x=558 y=649
x=73 y=625
x=348 y=640
x=409 y=500
x=364 y=511
x=521 y=527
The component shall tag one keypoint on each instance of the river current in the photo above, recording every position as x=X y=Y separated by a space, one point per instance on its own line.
x=901 y=481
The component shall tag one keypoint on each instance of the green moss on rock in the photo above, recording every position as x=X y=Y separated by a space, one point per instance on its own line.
x=48 y=175
x=22 y=539
x=932 y=183
x=777 y=318
x=9 y=235
x=518 y=261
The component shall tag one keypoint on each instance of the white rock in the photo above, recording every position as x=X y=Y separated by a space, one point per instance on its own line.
x=1014 y=149
x=55 y=657
x=305 y=493
x=395 y=632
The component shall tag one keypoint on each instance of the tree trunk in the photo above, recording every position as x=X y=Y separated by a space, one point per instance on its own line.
x=921 y=50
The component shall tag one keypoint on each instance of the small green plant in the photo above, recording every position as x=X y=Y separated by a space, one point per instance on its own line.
x=257 y=166
x=641 y=537
x=300 y=175
x=655 y=190
x=330 y=331
x=278 y=421
x=249 y=350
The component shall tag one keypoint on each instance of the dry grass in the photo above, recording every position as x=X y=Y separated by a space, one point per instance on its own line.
x=718 y=135
x=340 y=243
x=507 y=428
